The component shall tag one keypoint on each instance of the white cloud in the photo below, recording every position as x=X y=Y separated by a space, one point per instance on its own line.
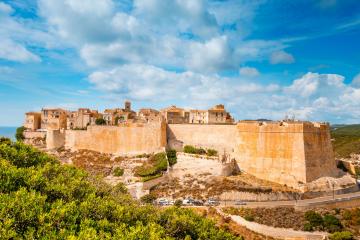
x=12 y=51
x=311 y=97
x=105 y=36
x=281 y=57
x=249 y=71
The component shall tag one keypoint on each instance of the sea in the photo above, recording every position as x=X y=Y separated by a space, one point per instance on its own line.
x=8 y=132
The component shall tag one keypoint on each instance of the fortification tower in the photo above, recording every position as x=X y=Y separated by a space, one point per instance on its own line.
x=127 y=106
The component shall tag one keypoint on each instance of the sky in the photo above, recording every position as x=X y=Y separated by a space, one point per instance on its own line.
x=260 y=58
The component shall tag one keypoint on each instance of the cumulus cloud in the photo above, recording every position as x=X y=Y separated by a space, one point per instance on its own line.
x=192 y=37
x=12 y=51
x=281 y=57
x=311 y=97
x=249 y=71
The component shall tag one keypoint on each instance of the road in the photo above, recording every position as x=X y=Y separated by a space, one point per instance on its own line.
x=292 y=203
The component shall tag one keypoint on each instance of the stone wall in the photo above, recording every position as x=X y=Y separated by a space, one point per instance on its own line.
x=219 y=137
x=55 y=139
x=126 y=139
x=291 y=153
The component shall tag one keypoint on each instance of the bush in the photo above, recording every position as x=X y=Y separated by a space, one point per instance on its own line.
x=193 y=150
x=148 y=198
x=308 y=227
x=171 y=155
x=118 y=172
x=156 y=165
x=331 y=223
x=189 y=149
x=314 y=218
x=178 y=203
x=100 y=121
x=249 y=218
x=211 y=152
x=19 y=135
x=345 y=235
x=151 y=177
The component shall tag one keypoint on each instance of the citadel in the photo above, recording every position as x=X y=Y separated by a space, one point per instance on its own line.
x=292 y=153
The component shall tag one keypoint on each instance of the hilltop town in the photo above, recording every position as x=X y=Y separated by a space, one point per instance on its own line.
x=57 y=118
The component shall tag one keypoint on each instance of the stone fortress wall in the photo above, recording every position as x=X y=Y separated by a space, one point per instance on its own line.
x=220 y=137
x=125 y=139
x=291 y=153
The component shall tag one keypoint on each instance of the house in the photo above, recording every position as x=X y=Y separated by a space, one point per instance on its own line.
x=32 y=120
x=53 y=118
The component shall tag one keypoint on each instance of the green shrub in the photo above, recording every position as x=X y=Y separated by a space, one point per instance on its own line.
x=118 y=172
x=345 y=235
x=189 y=149
x=100 y=121
x=193 y=150
x=178 y=203
x=148 y=198
x=314 y=218
x=171 y=155
x=331 y=223
x=308 y=227
x=249 y=218
x=151 y=177
x=211 y=152
x=19 y=135
x=154 y=166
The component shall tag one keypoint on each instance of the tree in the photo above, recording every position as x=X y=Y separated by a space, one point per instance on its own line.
x=20 y=133
x=100 y=121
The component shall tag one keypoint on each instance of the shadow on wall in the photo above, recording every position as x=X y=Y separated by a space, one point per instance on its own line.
x=171 y=140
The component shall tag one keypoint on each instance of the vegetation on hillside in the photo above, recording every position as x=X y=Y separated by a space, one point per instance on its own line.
x=42 y=199
x=200 y=151
x=153 y=167
x=19 y=135
x=346 y=140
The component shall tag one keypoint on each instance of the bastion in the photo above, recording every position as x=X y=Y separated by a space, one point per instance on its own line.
x=291 y=153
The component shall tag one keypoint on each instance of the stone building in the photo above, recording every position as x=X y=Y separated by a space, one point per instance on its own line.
x=218 y=115
x=53 y=118
x=149 y=115
x=82 y=118
x=174 y=114
x=198 y=116
x=119 y=115
x=214 y=115
x=32 y=120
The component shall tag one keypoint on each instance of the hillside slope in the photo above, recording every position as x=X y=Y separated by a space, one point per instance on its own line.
x=346 y=140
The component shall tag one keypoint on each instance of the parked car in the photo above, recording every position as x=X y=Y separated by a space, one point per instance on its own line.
x=163 y=202
x=239 y=202
x=198 y=203
x=188 y=202
x=212 y=202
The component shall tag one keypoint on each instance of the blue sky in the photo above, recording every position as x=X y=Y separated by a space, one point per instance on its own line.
x=262 y=59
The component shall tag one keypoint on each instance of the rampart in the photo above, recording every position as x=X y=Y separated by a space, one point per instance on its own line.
x=126 y=139
x=219 y=137
x=290 y=153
